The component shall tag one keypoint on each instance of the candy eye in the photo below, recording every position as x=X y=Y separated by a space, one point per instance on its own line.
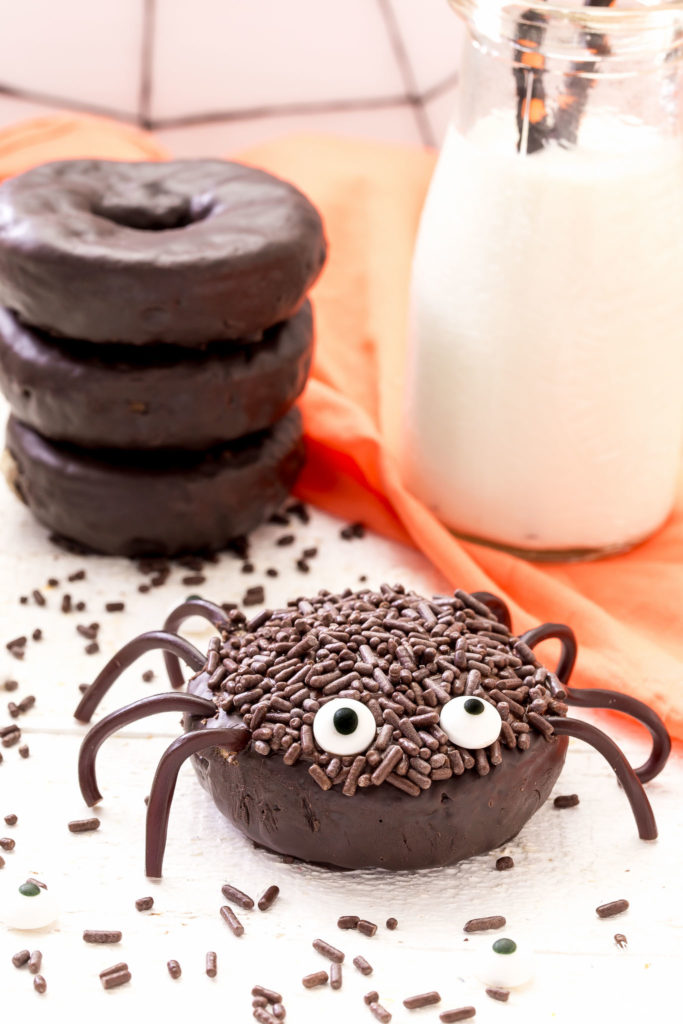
x=344 y=727
x=506 y=965
x=470 y=722
x=31 y=906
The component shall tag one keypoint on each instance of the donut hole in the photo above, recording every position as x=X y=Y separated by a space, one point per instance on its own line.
x=150 y=210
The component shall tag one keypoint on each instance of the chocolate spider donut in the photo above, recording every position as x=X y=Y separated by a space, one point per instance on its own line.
x=156 y=502
x=185 y=252
x=156 y=396
x=370 y=729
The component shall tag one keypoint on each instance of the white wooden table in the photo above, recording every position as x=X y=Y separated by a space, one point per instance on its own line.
x=566 y=862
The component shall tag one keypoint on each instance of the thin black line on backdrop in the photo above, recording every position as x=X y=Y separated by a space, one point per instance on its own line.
x=225 y=116
x=405 y=66
x=146 y=63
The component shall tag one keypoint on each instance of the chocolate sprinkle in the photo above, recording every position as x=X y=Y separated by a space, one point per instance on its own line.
x=566 y=801
x=11 y=819
x=268 y=898
x=144 y=903
x=504 y=863
x=362 y=965
x=39 y=984
x=380 y=1013
x=621 y=940
x=367 y=928
x=174 y=968
x=101 y=937
x=485 y=924
x=237 y=897
x=348 y=922
x=21 y=958
x=425 y=999
x=392 y=924
x=315 y=979
x=326 y=950
x=451 y=1016
x=500 y=994
x=335 y=975
x=85 y=825
x=211 y=964
x=232 y=921
x=612 y=909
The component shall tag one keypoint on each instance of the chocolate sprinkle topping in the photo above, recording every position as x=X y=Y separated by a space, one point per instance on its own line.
x=402 y=655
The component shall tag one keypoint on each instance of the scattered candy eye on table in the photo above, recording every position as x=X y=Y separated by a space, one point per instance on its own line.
x=30 y=906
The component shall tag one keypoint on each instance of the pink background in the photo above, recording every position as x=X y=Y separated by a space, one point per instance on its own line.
x=213 y=76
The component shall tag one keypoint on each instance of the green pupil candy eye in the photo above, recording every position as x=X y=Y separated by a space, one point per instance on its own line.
x=29 y=889
x=474 y=706
x=504 y=946
x=345 y=721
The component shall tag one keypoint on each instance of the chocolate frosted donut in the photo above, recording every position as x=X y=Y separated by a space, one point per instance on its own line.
x=185 y=252
x=113 y=396
x=282 y=809
x=369 y=729
x=156 y=503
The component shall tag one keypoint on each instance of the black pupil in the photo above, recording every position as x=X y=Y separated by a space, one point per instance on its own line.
x=345 y=721
x=474 y=706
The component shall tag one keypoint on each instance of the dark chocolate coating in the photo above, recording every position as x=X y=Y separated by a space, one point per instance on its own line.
x=184 y=252
x=113 y=396
x=282 y=808
x=161 y=503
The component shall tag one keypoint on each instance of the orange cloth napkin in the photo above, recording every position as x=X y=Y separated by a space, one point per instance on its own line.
x=627 y=611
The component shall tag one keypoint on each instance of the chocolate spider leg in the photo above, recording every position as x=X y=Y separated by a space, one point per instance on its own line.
x=631 y=706
x=557 y=631
x=154 y=705
x=194 y=606
x=235 y=738
x=634 y=708
x=636 y=795
x=494 y=604
x=152 y=641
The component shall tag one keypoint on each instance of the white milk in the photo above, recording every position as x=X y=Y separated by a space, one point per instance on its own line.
x=544 y=396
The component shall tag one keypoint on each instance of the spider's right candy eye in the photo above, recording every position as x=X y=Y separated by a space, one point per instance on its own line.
x=344 y=727
x=470 y=722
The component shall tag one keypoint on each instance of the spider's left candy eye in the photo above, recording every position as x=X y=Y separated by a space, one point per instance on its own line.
x=470 y=722
x=344 y=727
x=31 y=906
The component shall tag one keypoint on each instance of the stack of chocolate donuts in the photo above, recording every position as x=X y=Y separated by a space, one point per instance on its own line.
x=155 y=335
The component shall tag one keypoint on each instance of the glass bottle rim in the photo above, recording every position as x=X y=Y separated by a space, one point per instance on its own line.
x=586 y=14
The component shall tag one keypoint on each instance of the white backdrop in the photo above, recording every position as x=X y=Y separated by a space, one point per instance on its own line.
x=212 y=76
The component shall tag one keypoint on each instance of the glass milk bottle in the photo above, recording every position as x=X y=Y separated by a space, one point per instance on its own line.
x=544 y=397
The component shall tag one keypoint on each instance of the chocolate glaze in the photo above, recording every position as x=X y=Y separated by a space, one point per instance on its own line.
x=124 y=396
x=156 y=503
x=281 y=808
x=184 y=252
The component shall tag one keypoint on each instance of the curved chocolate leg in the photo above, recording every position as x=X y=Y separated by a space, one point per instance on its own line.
x=496 y=605
x=186 y=610
x=235 y=739
x=153 y=641
x=558 y=631
x=154 y=705
x=640 y=805
x=661 y=741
